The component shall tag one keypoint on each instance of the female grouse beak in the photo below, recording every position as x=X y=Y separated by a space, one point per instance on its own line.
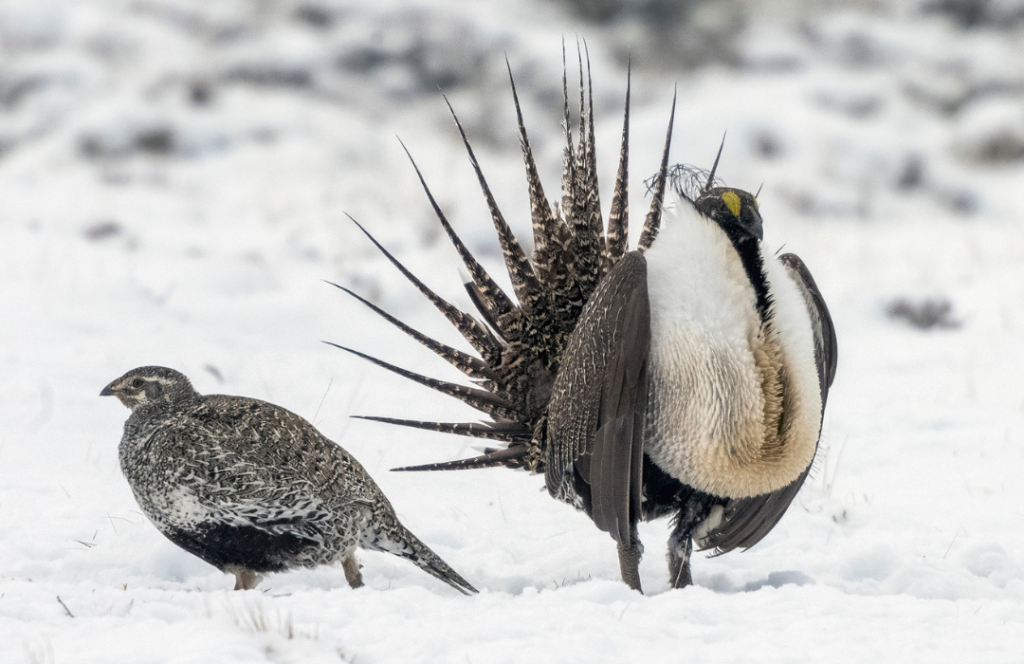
x=107 y=392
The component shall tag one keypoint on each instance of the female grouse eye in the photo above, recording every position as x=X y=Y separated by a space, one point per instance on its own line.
x=137 y=382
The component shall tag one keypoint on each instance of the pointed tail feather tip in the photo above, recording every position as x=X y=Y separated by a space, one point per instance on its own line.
x=714 y=167
x=424 y=557
x=445 y=573
x=484 y=401
x=502 y=431
x=433 y=565
x=490 y=460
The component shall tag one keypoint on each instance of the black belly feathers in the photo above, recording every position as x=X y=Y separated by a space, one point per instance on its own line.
x=228 y=546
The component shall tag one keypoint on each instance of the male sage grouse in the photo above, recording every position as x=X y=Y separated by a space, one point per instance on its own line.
x=687 y=377
x=250 y=487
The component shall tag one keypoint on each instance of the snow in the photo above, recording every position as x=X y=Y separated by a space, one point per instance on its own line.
x=174 y=178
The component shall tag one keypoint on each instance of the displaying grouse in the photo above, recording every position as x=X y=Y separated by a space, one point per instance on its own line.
x=252 y=488
x=686 y=378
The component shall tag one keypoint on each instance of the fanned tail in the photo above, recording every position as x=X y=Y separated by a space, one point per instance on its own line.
x=520 y=341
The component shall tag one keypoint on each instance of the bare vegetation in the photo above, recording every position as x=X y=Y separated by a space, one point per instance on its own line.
x=927 y=314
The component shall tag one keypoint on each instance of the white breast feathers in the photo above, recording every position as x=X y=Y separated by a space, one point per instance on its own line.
x=735 y=404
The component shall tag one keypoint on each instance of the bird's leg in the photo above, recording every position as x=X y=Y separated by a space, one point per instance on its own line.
x=679 y=550
x=680 y=542
x=352 y=573
x=246 y=579
x=629 y=561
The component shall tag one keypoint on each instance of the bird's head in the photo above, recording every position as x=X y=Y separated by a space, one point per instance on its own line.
x=734 y=210
x=146 y=388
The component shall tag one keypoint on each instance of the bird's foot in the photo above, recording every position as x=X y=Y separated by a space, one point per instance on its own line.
x=246 y=579
x=680 y=548
x=679 y=571
x=352 y=573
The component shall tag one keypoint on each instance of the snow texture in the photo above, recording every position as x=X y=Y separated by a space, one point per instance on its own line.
x=174 y=178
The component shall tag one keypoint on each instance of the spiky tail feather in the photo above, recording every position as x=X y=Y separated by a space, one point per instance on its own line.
x=521 y=342
x=423 y=557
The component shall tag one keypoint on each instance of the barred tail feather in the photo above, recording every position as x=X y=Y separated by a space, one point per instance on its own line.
x=473 y=367
x=494 y=303
x=545 y=226
x=487 y=402
x=714 y=167
x=618 y=216
x=653 y=222
x=584 y=212
x=525 y=283
x=497 y=458
x=507 y=432
x=475 y=333
x=593 y=191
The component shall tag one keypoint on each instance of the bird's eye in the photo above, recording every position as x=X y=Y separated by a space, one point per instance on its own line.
x=137 y=382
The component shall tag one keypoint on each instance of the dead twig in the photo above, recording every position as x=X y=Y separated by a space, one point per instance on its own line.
x=66 y=609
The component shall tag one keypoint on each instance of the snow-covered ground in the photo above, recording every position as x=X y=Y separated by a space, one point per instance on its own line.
x=173 y=182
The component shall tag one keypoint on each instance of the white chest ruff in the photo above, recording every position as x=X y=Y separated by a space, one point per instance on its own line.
x=719 y=380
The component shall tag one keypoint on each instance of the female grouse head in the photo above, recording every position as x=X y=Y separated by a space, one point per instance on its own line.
x=148 y=388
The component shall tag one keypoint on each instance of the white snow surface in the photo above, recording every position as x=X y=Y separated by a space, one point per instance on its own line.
x=174 y=178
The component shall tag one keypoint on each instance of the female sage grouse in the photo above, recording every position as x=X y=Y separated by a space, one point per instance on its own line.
x=250 y=487
x=686 y=378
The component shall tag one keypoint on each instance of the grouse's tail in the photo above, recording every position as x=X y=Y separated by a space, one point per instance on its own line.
x=410 y=547
x=519 y=342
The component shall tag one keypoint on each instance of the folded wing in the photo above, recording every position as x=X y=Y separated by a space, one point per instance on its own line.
x=595 y=425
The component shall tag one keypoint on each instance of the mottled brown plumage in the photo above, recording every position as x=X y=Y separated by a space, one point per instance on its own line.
x=252 y=488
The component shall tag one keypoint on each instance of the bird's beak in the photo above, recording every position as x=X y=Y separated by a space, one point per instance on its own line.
x=758 y=227
x=107 y=392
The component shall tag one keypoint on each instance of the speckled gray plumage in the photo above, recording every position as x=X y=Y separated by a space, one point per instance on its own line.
x=251 y=487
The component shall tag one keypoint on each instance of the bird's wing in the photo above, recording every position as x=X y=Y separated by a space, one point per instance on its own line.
x=595 y=425
x=826 y=352
x=746 y=520
x=302 y=519
x=251 y=463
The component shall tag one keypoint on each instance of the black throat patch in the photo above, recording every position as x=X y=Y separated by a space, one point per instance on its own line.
x=748 y=249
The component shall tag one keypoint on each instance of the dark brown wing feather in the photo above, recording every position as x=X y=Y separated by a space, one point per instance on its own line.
x=747 y=520
x=595 y=423
x=826 y=352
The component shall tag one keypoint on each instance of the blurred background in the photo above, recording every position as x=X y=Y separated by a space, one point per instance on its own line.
x=274 y=116
x=167 y=160
x=174 y=182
